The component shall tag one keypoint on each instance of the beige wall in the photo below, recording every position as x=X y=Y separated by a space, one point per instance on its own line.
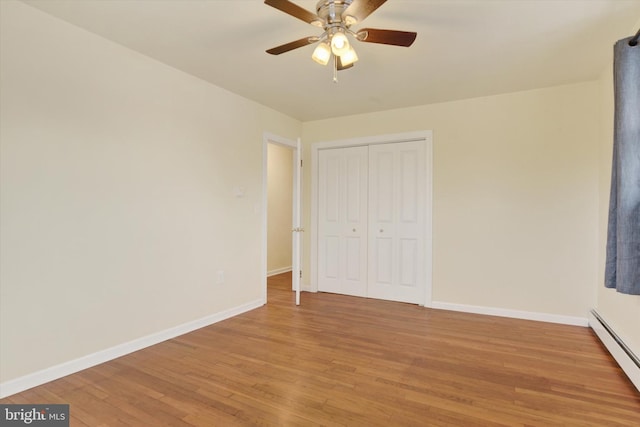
x=622 y=312
x=118 y=203
x=515 y=207
x=279 y=214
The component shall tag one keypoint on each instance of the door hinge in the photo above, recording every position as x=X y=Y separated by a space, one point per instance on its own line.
x=301 y=274
x=300 y=162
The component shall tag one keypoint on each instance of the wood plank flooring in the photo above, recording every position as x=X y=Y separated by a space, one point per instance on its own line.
x=338 y=360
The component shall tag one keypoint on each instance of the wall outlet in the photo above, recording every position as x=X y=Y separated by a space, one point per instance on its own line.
x=220 y=277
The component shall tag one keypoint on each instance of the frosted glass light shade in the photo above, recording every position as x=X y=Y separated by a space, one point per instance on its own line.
x=349 y=57
x=322 y=54
x=339 y=44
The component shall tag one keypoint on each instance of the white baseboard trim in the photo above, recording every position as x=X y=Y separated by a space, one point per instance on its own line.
x=626 y=359
x=278 y=271
x=516 y=314
x=67 y=368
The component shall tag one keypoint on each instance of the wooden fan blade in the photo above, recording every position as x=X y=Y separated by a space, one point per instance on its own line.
x=292 y=45
x=392 y=37
x=293 y=10
x=342 y=67
x=360 y=9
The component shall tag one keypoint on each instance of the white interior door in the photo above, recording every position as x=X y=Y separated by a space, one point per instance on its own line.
x=396 y=222
x=297 y=230
x=342 y=221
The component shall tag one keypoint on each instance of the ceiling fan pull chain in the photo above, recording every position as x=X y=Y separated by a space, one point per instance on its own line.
x=335 y=69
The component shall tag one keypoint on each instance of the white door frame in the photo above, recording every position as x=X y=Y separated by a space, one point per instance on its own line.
x=269 y=138
x=427 y=137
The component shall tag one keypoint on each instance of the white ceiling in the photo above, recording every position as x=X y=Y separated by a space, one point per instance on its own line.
x=464 y=48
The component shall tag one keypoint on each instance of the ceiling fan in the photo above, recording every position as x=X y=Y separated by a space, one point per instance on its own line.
x=336 y=18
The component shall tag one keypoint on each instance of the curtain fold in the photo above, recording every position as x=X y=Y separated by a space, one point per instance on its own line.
x=622 y=270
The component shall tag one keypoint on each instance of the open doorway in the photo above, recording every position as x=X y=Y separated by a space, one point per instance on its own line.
x=281 y=213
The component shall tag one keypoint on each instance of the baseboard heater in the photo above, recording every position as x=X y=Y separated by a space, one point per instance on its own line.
x=627 y=359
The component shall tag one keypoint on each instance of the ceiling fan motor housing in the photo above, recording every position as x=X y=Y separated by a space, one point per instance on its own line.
x=330 y=11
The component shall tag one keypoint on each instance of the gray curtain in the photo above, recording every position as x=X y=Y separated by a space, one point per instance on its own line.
x=622 y=270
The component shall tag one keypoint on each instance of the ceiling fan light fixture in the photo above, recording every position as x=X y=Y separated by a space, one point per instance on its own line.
x=336 y=17
x=322 y=54
x=339 y=43
x=349 y=57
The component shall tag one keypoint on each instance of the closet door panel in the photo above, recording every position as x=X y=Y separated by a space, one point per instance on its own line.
x=409 y=197
x=408 y=262
x=331 y=256
x=396 y=227
x=329 y=243
x=382 y=183
x=342 y=227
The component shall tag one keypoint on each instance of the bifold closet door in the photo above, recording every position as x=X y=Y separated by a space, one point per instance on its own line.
x=342 y=220
x=396 y=222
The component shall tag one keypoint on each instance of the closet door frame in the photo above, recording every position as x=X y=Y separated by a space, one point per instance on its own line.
x=427 y=138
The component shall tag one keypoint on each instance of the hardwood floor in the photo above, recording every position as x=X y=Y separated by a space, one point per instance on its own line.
x=338 y=360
